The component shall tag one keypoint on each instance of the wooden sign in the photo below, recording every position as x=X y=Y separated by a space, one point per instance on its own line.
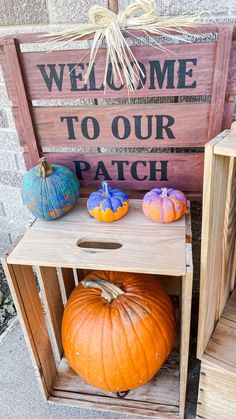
x=185 y=69
x=133 y=145
x=136 y=126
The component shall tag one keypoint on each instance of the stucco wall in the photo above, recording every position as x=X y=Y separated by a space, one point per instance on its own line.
x=34 y=15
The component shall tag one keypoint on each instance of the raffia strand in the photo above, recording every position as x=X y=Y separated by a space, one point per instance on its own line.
x=104 y=25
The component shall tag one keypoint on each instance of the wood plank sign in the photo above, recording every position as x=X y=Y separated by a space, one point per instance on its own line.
x=179 y=71
x=132 y=144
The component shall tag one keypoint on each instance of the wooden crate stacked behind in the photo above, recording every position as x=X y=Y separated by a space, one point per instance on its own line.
x=217 y=313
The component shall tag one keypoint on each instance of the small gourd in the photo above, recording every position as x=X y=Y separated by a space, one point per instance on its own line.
x=164 y=205
x=49 y=191
x=107 y=204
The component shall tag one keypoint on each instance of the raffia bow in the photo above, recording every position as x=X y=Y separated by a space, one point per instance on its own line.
x=105 y=25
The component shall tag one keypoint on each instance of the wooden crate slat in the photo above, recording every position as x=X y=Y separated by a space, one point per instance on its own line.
x=186 y=303
x=135 y=171
x=218 y=256
x=229 y=239
x=215 y=179
x=180 y=71
x=220 y=77
x=25 y=294
x=227 y=145
x=66 y=282
x=82 y=401
x=135 y=255
x=158 y=125
x=163 y=388
x=53 y=305
x=217 y=393
x=221 y=349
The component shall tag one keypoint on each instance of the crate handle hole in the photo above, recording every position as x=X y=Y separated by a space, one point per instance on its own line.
x=95 y=244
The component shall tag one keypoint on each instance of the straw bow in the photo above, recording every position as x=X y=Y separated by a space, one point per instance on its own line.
x=105 y=25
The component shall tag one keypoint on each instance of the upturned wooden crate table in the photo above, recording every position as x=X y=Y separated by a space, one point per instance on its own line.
x=61 y=252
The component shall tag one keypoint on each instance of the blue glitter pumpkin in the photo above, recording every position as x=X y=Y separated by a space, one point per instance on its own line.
x=108 y=204
x=49 y=191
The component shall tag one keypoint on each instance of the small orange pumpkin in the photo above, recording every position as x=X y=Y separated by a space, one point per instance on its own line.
x=164 y=205
x=118 y=329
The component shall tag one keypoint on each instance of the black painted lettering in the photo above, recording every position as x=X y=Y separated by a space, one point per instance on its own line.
x=80 y=167
x=76 y=76
x=70 y=125
x=138 y=127
x=115 y=127
x=134 y=170
x=92 y=81
x=120 y=167
x=163 y=123
x=85 y=128
x=162 y=170
x=101 y=171
x=183 y=73
x=160 y=74
x=53 y=75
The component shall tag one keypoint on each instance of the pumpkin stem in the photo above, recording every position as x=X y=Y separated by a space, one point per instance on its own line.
x=44 y=167
x=164 y=193
x=109 y=290
x=105 y=187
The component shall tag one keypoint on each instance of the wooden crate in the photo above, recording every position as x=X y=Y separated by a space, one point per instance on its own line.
x=52 y=249
x=217 y=312
x=217 y=386
x=218 y=257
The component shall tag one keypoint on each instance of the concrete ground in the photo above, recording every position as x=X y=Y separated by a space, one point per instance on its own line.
x=20 y=397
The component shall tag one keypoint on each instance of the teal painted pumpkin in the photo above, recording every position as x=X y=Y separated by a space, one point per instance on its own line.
x=107 y=204
x=49 y=191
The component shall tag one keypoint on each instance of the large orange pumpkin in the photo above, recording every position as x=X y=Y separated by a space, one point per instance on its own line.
x=118 y=329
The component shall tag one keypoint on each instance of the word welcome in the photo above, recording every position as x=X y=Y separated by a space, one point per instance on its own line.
x=156 y=74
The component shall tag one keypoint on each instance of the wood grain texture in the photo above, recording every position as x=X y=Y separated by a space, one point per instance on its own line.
x=228 y=271
x=227 y=146
x=66 y=282
x=186 y=303
x=31 y=38
x=123 y=126
x=140 y=239
x=221 y=349
x=26 y=299
x=231 y=82
x=158 y=398
x=183 y=170
x=53 y=306
x=214 y=200
x=204 y=53
x=218 y=256
x=217 y=393
x=222 y=60
x=19 y=100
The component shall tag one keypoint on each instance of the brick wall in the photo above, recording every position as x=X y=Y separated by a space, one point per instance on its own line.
x=18 y=16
